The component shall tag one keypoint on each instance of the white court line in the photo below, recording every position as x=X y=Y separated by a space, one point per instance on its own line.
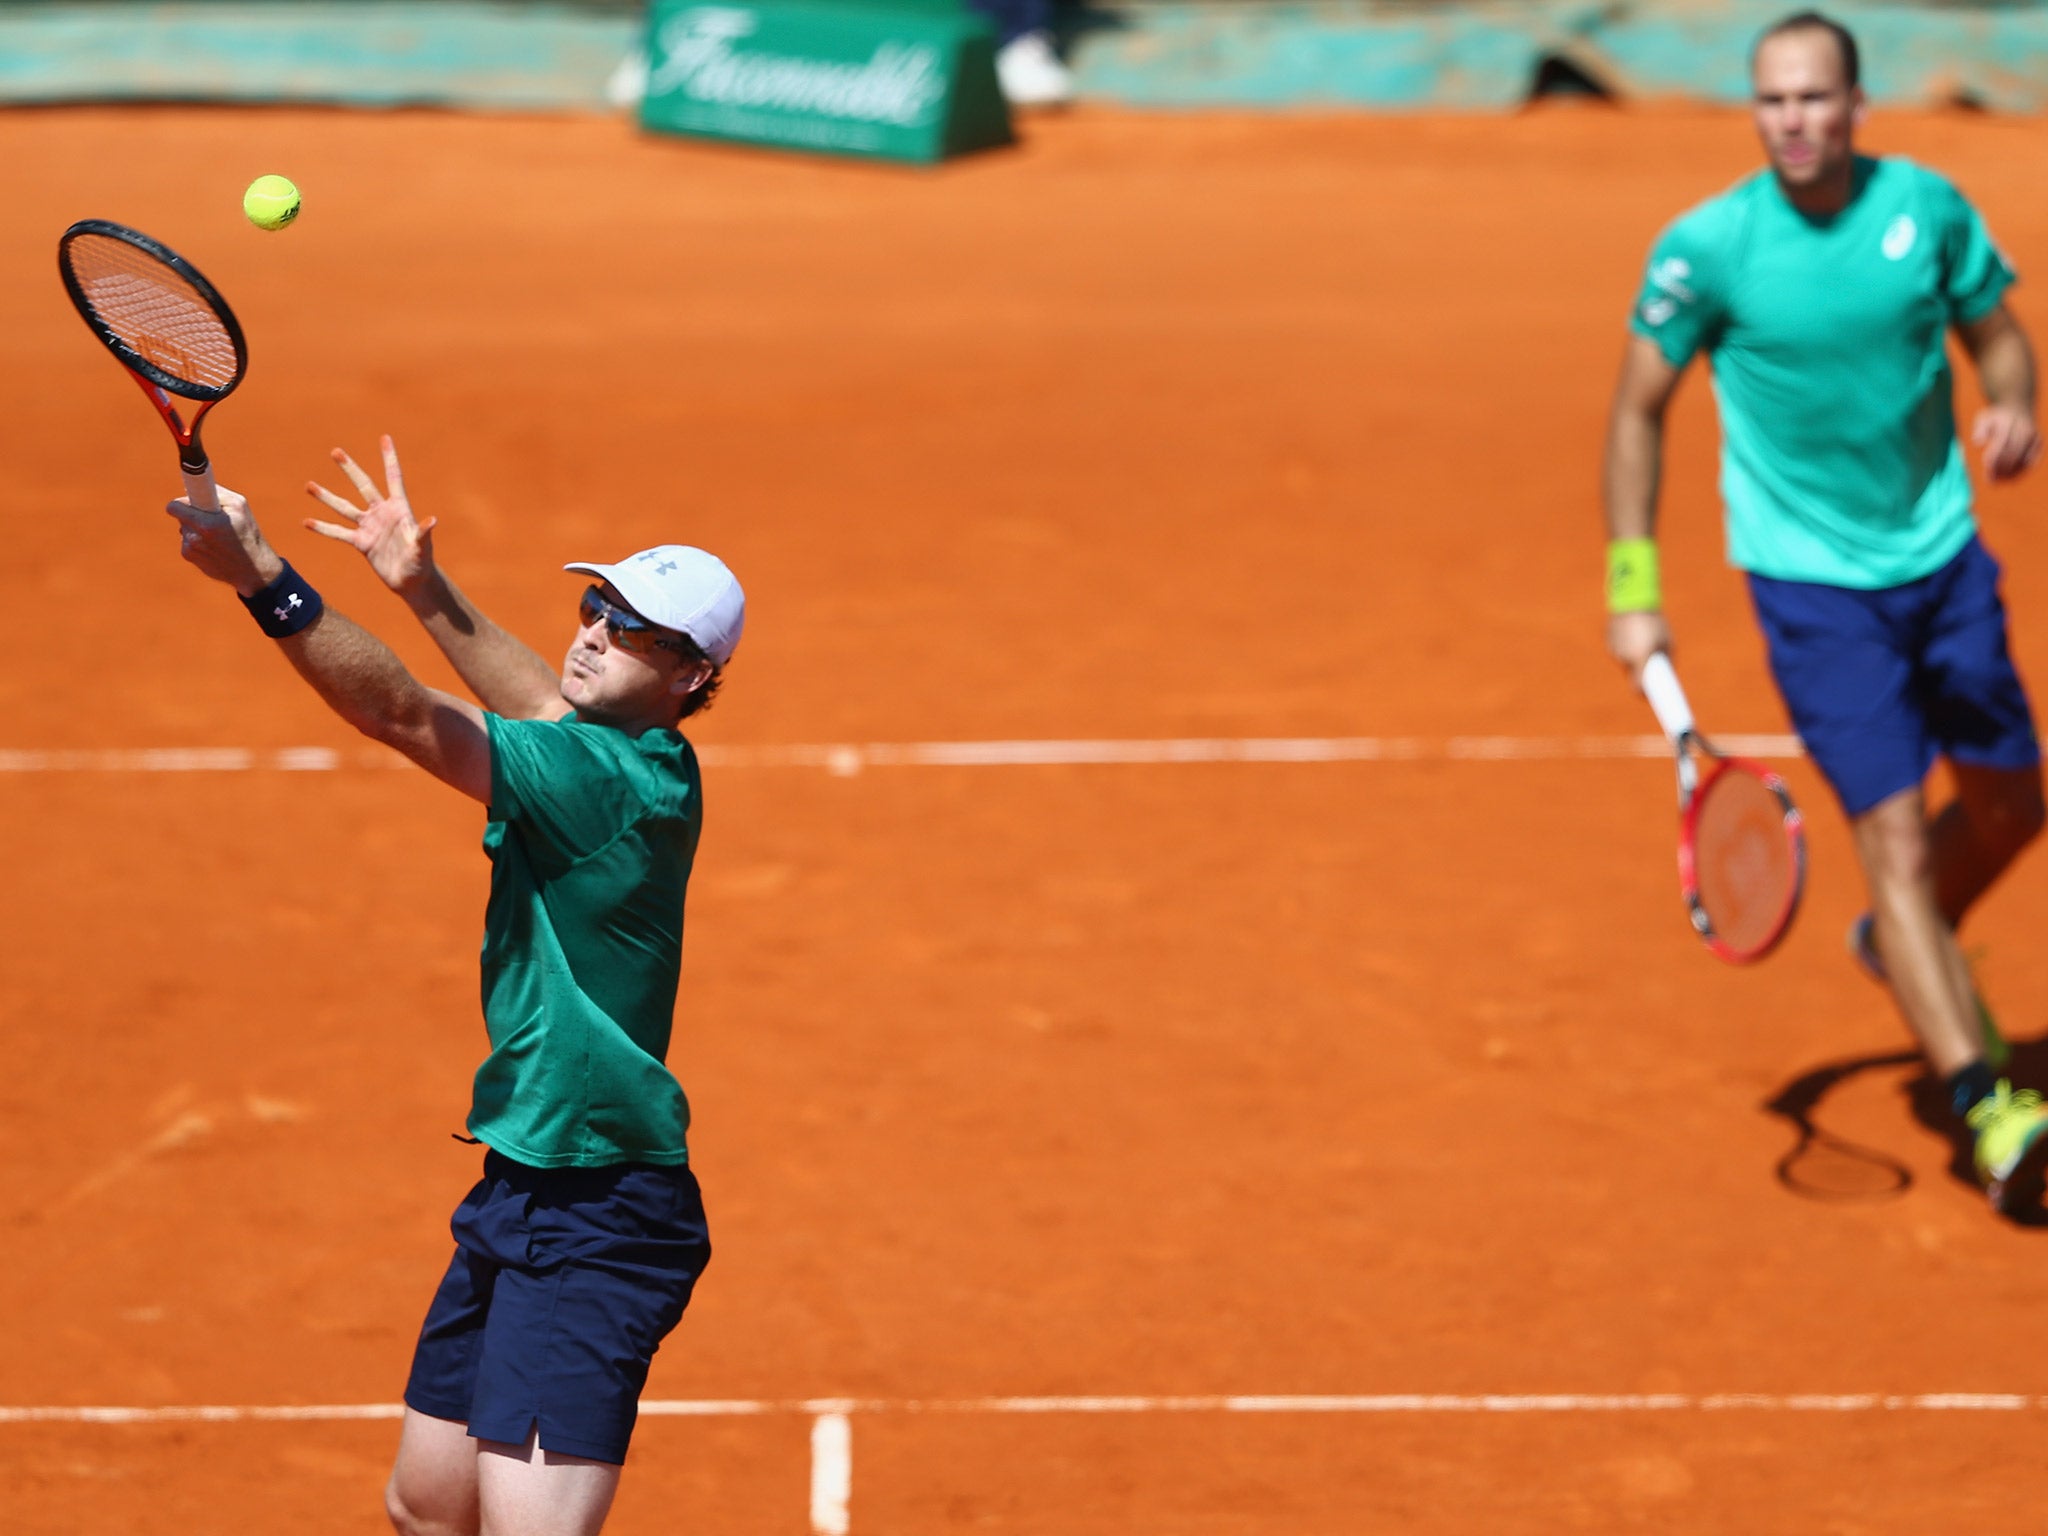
x=184 y=760
x=322 y=1413
x=1374 y=1403
x=831 y=1469
x=848 y=758
x=831 y=1475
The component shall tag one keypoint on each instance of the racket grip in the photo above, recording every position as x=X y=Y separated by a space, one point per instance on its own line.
x=199 y=488
x=1660 y=687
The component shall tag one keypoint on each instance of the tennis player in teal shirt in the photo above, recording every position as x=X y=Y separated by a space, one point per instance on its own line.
x=1823 y=290
x=579 y=1248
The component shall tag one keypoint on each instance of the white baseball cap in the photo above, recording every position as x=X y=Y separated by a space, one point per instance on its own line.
x=684 y=589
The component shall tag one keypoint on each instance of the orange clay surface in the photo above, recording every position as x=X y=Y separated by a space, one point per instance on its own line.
x=1357 y=1078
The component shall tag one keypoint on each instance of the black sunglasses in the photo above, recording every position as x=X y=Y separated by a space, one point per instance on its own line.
x=628 y=631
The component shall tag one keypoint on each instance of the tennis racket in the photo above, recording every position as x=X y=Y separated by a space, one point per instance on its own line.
x=1741 y=842
x=165 y=323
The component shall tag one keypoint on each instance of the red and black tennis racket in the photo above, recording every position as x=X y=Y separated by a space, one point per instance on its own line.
x=1741 y=842
x=165 y=323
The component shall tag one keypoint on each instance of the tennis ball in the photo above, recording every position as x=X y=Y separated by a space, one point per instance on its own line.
x=271 y=202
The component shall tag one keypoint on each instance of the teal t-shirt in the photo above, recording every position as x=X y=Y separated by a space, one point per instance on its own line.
x=591 y=837
x=1828 y=339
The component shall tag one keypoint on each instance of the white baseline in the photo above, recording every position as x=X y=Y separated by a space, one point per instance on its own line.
x=831 y=1469
x=1365 y=1403
x=848 y=758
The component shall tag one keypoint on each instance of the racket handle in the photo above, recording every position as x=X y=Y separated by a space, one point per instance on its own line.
x=1660 y=687
x=199 y=489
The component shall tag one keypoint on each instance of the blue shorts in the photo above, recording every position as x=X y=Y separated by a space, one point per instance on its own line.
x=1879 y=683
x=564 y=1283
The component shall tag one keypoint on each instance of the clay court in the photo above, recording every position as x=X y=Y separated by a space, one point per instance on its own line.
x=1392 y=1088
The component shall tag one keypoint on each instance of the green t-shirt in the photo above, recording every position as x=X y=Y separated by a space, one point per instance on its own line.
x=591 y=837
x=1839 y=459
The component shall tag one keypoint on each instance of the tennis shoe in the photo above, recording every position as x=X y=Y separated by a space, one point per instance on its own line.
x=1863 y=950
x=2012 y=1146
x=1031 y=73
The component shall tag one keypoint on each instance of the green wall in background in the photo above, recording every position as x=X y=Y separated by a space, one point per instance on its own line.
x=1484 y=55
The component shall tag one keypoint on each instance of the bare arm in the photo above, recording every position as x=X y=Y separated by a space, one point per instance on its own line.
x=1629 y=482
x=1635 y=441
x=2005 y=429
x=351 y=669
x=368 y=686
x=503 y=671
x=498 y=667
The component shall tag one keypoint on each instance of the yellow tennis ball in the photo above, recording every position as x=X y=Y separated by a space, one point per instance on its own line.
x=271 y=202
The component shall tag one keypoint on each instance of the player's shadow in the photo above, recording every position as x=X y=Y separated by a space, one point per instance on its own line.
x=1824 y=1166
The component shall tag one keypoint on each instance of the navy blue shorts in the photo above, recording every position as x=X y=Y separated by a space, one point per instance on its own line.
x=1880 y=683
x=564 y=1283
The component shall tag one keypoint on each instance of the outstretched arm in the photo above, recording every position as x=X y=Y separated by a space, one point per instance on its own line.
x=1629 y=481
x=500 y=669
x=2005 y=429
x=354 y=671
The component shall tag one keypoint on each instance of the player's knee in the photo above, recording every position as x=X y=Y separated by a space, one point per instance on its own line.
x=1894 y=849
x=402 y=1519
x=408 y=1521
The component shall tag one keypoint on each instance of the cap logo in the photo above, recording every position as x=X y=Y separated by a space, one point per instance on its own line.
x=682 y=588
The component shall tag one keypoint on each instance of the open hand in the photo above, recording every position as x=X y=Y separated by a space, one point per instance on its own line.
x=383 y=530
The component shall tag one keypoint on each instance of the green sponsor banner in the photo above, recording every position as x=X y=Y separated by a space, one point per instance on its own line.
x=900 y=81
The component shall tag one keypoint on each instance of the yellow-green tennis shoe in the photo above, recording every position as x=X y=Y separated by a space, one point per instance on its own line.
x=2012 y=1145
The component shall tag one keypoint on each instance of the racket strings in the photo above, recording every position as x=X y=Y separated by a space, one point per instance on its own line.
x=155 y=312
x=1747 y=867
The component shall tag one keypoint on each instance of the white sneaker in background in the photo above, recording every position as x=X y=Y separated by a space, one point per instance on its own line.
x=628 y=83
x=1031 y=74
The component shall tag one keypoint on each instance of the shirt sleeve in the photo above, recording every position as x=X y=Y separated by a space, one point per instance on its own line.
x=1975 y=273
x=559 y=785
x=1681 y=303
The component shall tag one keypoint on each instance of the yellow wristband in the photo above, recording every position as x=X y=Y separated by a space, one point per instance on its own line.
x=1633 y=585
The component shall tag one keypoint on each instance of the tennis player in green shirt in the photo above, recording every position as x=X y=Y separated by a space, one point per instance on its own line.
x=578 y=1250
x=1823 y=290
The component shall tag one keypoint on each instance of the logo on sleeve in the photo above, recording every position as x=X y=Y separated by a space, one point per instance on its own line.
x=1668 y=277
x=1899 y=236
